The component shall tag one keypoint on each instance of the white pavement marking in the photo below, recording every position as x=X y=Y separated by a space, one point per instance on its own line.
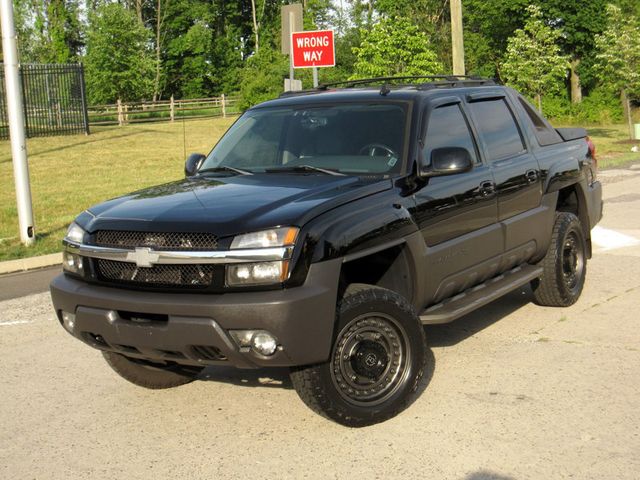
x=14 y=322
x=611 y=240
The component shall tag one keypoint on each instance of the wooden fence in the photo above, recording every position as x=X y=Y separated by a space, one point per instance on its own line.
x=123 y=113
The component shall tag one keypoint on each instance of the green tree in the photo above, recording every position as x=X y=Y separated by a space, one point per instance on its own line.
x=433 y=17
x=64 y=32
x=119 y=61
x=533 y=63
x=394 y=46
x=618 y=57
x=263 y=77
x=488 y=25
x=49 y=31
x=580 y=22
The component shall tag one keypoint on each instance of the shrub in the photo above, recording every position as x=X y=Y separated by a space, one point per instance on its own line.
x=600 y=107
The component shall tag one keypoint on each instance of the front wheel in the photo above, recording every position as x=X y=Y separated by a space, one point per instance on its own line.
x=148 y=374
x=377 y=360
x=564 y=266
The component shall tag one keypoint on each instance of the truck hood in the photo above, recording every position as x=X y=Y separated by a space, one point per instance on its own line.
x=228 y=205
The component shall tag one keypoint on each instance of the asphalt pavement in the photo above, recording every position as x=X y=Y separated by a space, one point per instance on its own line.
x=21 y=284
x=514 y=391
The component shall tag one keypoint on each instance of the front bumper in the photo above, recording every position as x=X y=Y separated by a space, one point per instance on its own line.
x=192 y=329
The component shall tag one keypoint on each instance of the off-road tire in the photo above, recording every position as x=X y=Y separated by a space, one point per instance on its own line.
x=388 y=346
x=564 y=266
x=150 y=375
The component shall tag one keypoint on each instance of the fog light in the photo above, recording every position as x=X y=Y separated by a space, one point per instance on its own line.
x=264 y=343
x=72 y=263
x=259 y=341
x=68 y=321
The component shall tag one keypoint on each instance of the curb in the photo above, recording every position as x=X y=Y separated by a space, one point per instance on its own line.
x=22 y=264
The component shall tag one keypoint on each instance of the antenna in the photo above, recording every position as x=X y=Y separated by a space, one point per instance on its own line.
x=184 y=140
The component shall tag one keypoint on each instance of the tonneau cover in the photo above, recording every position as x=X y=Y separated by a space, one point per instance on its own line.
x=568 y=134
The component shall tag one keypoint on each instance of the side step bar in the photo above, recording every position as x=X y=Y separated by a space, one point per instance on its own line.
x=478 y=296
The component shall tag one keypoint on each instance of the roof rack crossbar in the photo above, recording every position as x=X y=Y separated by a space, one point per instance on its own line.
x=385 y=83
x=364 y=81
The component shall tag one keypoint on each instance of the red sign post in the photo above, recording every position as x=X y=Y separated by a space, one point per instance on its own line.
x=313 y=49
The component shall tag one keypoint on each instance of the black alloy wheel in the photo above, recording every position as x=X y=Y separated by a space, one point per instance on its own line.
x=370 y=358
x=377 y=360
x=573 y=261
x=564 y=266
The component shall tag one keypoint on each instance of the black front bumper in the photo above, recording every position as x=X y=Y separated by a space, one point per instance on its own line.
x=192 y=329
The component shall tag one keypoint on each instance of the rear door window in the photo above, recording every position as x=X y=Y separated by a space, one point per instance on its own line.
x=498 y=128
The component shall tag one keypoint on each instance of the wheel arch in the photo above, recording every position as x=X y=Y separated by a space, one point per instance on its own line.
x=573 y=199
x=391 y=265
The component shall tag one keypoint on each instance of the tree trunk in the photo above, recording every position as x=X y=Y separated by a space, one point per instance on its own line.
x=156 y=83
x=576 y=88
x=139 y=10
x=539 y=102
x=255 y=24
x=626 y=105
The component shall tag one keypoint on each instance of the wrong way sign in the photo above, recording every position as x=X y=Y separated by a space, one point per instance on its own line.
x=313 y=49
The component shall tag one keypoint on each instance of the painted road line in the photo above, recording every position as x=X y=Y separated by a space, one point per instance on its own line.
x=610 y=239
x=14 y=322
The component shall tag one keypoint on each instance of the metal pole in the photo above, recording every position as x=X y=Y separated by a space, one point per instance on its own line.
x=457 y=42
x=85 y=108
x=291 y=27
x=315 y=77
x=16 y=124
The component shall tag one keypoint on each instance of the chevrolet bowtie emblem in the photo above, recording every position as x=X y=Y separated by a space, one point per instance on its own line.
x=143 y=257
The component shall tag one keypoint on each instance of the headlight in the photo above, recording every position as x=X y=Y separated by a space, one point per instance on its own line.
x=75 y=234
x=72 y=262
x=276 y=237
x=261 y=273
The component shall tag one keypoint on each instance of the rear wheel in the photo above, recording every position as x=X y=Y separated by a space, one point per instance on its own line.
x=377 y=359
x=149 y=374
x=564 y=266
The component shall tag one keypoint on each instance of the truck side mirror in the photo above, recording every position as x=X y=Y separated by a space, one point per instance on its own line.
x=193 y=163
x=447 y=161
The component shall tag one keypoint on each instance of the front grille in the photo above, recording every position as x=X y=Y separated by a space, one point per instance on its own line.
x=206 y=352
x=188 y=276
x=157 y=241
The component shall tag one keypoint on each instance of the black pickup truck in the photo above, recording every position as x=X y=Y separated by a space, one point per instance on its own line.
x=325 y=229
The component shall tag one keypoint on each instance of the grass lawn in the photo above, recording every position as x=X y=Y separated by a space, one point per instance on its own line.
x=613 y=147
x=69 y=174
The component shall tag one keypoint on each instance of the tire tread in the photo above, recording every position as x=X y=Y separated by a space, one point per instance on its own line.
x=547 y=290
x=308 y=383
x=147 y=377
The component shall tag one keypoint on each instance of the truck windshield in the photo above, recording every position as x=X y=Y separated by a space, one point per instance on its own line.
x=348 y=138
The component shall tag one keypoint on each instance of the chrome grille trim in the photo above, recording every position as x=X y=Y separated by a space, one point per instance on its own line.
x=146 y=257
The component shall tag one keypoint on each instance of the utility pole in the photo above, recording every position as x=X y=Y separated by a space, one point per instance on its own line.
x=16 y=123
x=292 y=22
x=457 y=42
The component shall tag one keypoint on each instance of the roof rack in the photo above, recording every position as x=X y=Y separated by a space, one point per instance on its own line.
x=432 y=81
x=438 y=78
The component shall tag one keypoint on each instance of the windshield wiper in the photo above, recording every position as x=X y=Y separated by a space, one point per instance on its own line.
x=225 y=168
x=305 y=168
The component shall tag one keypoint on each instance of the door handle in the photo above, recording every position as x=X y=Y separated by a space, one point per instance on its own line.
x=531 y=176
x=487 y=188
